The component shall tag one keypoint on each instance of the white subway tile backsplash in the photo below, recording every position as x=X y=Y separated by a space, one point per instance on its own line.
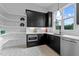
x=37 y=29
x=50 y=30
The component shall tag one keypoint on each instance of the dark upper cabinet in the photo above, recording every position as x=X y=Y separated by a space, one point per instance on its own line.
x=35 y=19
x=38 y=19
x=77 y=12
x=49 y=19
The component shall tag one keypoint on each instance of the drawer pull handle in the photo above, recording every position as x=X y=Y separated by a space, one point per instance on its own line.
x=70 y=41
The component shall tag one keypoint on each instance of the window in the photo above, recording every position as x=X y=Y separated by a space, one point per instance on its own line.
x=68 y=17
x=58 y=20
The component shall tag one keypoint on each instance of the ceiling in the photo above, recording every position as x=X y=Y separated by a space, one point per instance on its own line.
x=50 y=6
x=19 y=8
x=44 y=4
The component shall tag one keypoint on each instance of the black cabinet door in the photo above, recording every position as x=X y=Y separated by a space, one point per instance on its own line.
x=32 y=44
x=48 y=19
x=35 y=19
x=42 y=39
x=54 y=42
x=50 y=40
x=38 y=19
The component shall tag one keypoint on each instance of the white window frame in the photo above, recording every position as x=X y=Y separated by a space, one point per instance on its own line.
x=74 y=26
x=58 y=20
x=57 y=30
x=62 y=21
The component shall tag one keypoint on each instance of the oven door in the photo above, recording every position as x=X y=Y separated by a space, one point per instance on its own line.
x=32 y=38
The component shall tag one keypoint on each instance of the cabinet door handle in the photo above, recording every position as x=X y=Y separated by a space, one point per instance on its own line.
x=69 y=41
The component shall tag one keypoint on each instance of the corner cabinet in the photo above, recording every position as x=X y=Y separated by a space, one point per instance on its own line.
x=38 y=19
x=49 y=19
x=53 y=42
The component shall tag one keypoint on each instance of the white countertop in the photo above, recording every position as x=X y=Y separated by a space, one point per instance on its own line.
x=71 y=36
x=41 y=33
x=67 y=36
x=53 y=34
x=35 y=32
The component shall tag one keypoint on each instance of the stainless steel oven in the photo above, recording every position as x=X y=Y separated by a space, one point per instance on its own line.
x=32 y=38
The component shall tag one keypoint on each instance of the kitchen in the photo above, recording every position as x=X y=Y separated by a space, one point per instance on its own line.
x=47 y=25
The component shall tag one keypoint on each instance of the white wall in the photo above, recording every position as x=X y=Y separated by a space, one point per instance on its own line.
x=10 y=15
x=19 y=8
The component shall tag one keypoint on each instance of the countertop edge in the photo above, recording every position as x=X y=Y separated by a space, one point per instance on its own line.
x=66 y=36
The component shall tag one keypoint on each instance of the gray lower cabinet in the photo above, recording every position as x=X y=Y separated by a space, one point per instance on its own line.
x=69 y=47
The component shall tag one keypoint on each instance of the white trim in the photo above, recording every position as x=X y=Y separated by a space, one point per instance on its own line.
x=66 y=6
x=71 y=17
x=62 y=21
x=68 y=17
x=75 y=15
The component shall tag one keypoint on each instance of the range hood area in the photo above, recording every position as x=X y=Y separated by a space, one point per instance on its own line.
x=37 y=24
